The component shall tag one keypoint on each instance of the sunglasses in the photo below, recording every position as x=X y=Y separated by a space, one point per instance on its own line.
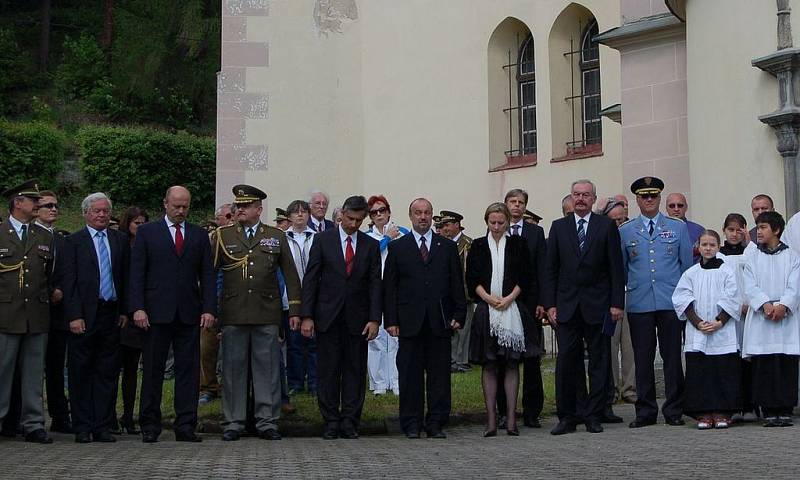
x=378 y=211
x=648 y=196
x=49 y=205
x=676 y=205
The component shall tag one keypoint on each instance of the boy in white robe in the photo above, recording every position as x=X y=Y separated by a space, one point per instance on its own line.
x=772 y=327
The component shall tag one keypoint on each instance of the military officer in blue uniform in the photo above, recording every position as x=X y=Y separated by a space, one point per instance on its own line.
x=656 y=250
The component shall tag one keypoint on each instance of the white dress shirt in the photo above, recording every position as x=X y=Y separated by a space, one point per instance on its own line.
x=428 y=238
x=585 y=225
x=171 y=227
x=343 y=239
x=17 y=226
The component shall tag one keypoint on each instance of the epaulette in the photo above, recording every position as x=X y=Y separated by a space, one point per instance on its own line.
x=629 y=221
x=673 y=218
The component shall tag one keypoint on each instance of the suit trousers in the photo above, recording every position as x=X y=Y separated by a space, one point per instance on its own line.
x=459 y=355
x=342 y=371
x=423 y=364
x=93 y=372
x=624 y=373
x=185 y=341
x=31 y=348
x=258 y=345
x=532 y=388
x=644 y=328
x=209 y=352
x=571 y=336
x=55 y=359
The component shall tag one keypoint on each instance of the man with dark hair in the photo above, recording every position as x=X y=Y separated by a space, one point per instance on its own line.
x=341 y=305
x=760 y=203
x=532 y=389
x=26 y=255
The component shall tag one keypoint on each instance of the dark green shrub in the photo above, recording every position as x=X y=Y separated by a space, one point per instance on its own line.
x=82 y=70
x=28 y=150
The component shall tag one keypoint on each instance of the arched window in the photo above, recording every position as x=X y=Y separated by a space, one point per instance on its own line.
x=590 y=85
x=526 y=78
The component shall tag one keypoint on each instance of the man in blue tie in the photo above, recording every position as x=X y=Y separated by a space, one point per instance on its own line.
x=95 y=266
x=656 y=250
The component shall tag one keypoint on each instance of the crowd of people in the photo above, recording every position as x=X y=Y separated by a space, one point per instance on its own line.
x=253 y=313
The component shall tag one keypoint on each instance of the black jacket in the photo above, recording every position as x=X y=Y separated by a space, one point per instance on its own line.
x=515 y=269
x=537 y=254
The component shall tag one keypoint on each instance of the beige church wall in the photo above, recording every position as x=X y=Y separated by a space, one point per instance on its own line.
x=733 y=153
x=633 y=10
x=393 y=98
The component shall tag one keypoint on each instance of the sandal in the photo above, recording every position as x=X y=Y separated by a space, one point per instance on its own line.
x=721 y=421
x=705 y=423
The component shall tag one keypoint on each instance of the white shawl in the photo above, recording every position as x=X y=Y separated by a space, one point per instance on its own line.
x=505 y=325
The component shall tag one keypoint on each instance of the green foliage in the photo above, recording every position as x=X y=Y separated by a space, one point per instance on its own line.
x=135 y=166
x=28 y=150
x=82 y=70
x=14 y=67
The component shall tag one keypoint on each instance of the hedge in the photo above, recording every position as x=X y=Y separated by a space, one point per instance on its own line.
x=30 y=150
x=135 y=166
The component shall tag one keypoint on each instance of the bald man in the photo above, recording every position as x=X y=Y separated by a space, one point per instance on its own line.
x=676 y=208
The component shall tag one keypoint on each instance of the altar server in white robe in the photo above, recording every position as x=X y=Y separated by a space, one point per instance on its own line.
x=772 y=329
x=791 y=236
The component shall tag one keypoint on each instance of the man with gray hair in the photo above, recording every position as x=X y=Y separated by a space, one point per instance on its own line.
x=318 y=204
x=95 y=263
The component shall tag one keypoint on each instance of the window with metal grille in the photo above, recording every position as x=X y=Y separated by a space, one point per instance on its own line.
x=521 y=111
x=585 y=103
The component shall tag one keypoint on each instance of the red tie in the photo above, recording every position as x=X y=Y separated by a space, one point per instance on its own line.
x=348 y=256
x=178 y=239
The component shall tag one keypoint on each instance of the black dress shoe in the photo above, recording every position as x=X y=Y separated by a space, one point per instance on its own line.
x=270 y=434
x=513 y=432
x=674 y=421
x=435 y=433
x=38 y=436
x=349 y=433
x=128 y=427
x=609 y=417
x=230 y=436
x=531 y=422
x=104 y=437
x=641 y=422
x=149 y=437
x=490 y=433
x=187 y=437
x=564 y=426
x=83 y=437
x=593 y=426
x=412 y=434
x=61 y=425
x=330 y=433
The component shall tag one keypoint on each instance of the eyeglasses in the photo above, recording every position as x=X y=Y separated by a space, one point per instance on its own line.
x=378 y=211
x=676 y=205
x=49 y=205
x=648 y=196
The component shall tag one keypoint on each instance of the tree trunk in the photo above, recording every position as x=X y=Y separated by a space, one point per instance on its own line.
x=108 y=25
x=44 y=35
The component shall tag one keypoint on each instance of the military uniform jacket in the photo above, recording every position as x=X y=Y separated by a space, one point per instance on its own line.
x=654 y=264
x=25 y=271
x=250 y=292
x=464 y=243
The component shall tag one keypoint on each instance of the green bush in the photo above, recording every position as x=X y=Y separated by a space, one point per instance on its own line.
x=14 y=68
x=28 y=150
x=82 y=70
x=135 y=166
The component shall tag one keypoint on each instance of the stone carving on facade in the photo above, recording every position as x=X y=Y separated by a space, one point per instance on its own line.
x=331 y=15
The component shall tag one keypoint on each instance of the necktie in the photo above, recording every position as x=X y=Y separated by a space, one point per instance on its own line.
x=250 y=234
x=423 y=249
x=516 y=229
x=106 y=278
x=651 y=228
x=24 y=237
x=349 y=254
x=178 y=239
x=581 y=234
x=321 y=226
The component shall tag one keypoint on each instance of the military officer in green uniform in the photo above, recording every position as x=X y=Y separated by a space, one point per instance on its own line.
x=249 y=254
x=26 y=255
x=282 y=219
x=452 y=229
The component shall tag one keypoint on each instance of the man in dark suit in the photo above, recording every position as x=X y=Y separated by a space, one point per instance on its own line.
x=95 y=262
x=341 y=304
x=172 y=295
x=423 y=303
x=318 y=204
x=583 y=289
x=532 y=389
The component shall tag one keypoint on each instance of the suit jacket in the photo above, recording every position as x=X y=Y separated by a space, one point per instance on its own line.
x=165 y=284
x=81 y=274
x=414 y=290
x=328 y=224
x=25 y=271
x=515 y=271
x=57 y=282
x=592 y=280
x=329 y=292
x=537 y=254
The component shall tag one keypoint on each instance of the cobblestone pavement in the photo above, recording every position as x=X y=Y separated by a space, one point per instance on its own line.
x=747 y=451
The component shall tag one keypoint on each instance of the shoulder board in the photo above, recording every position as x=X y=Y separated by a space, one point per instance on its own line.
x=674 y=219
x=226 y=226
x=629 y=221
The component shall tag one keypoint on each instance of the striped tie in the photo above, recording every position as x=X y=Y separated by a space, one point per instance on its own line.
x=581 y=234
x=106 y=278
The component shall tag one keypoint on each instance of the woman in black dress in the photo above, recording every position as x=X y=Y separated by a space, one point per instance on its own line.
x=131 y=336
x=502 y=328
